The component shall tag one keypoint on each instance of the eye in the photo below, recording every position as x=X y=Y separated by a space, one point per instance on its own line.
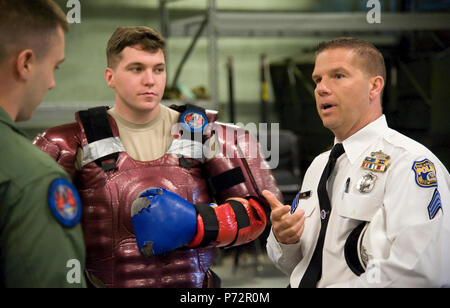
x=317 y=80
x=136 y=69
x=159 y=70
x=339 y=76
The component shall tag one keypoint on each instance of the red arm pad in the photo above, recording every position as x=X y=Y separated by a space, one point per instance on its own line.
x=230 y=224
x=258 y=221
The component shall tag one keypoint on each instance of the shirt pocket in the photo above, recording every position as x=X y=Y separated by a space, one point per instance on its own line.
x=359 y=207
x=308 y=205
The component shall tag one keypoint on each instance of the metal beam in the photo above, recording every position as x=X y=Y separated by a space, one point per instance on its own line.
x=213 y=53
x=246 y=24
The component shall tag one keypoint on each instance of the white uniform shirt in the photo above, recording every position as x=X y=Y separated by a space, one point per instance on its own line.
x=409 y=214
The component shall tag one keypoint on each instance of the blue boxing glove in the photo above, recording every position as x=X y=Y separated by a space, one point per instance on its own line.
x=162 y=221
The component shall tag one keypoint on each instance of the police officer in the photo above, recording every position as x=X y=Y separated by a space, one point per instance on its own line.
x=41 y=240
x=373 y=211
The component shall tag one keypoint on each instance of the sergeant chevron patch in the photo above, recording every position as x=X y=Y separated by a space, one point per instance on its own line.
x=435 y=204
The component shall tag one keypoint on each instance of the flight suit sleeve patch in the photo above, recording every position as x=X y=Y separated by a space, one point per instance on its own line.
x=425 y=173
x=64 y=202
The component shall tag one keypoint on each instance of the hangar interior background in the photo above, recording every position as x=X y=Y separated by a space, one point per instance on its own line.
x=225 y=50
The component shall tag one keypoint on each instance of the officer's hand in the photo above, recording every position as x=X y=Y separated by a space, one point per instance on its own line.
x=286 y=227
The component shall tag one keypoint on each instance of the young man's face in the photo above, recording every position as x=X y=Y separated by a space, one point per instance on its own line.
x=343 y=92
x=139 y=80
x=42 y=76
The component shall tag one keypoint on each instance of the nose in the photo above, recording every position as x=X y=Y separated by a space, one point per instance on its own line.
x=322 y=88
x=148 y=78
x=52 y=84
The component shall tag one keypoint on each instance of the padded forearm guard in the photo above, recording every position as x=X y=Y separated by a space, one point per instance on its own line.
x=230 y=224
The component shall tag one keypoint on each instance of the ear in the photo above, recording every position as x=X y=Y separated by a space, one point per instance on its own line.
x=109 y=77
x=376 y=87
x=25 y=60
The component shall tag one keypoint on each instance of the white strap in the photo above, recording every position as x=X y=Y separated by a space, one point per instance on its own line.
x=101 y=148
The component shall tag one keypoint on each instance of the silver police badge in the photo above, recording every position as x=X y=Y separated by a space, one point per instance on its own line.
x=367 y=183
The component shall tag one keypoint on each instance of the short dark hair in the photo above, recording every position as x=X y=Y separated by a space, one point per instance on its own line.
x=29 y=24
x=144 y=37
x=373 y=61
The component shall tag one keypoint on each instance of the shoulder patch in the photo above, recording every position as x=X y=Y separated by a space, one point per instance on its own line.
x=193 y=120
x=425 y=173
x=64 y=202
x=435 y=204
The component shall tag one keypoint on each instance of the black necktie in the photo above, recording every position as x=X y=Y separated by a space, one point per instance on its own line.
x=314 y=271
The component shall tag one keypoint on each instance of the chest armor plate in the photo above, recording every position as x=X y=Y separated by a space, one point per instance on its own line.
x=112 y=254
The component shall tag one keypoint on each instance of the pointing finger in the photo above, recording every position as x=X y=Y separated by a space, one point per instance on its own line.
x=273 y=201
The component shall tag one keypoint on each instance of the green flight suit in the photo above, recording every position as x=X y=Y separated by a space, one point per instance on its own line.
x=36 y=250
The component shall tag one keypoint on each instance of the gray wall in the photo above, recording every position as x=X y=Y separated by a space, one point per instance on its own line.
x=80 y=81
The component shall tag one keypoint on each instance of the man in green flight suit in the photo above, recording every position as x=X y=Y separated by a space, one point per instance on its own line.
x=41 y=242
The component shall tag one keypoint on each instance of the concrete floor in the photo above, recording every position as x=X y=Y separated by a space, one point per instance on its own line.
x=254 y=270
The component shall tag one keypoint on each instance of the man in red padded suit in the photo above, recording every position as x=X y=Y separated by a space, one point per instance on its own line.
x=146 y=182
